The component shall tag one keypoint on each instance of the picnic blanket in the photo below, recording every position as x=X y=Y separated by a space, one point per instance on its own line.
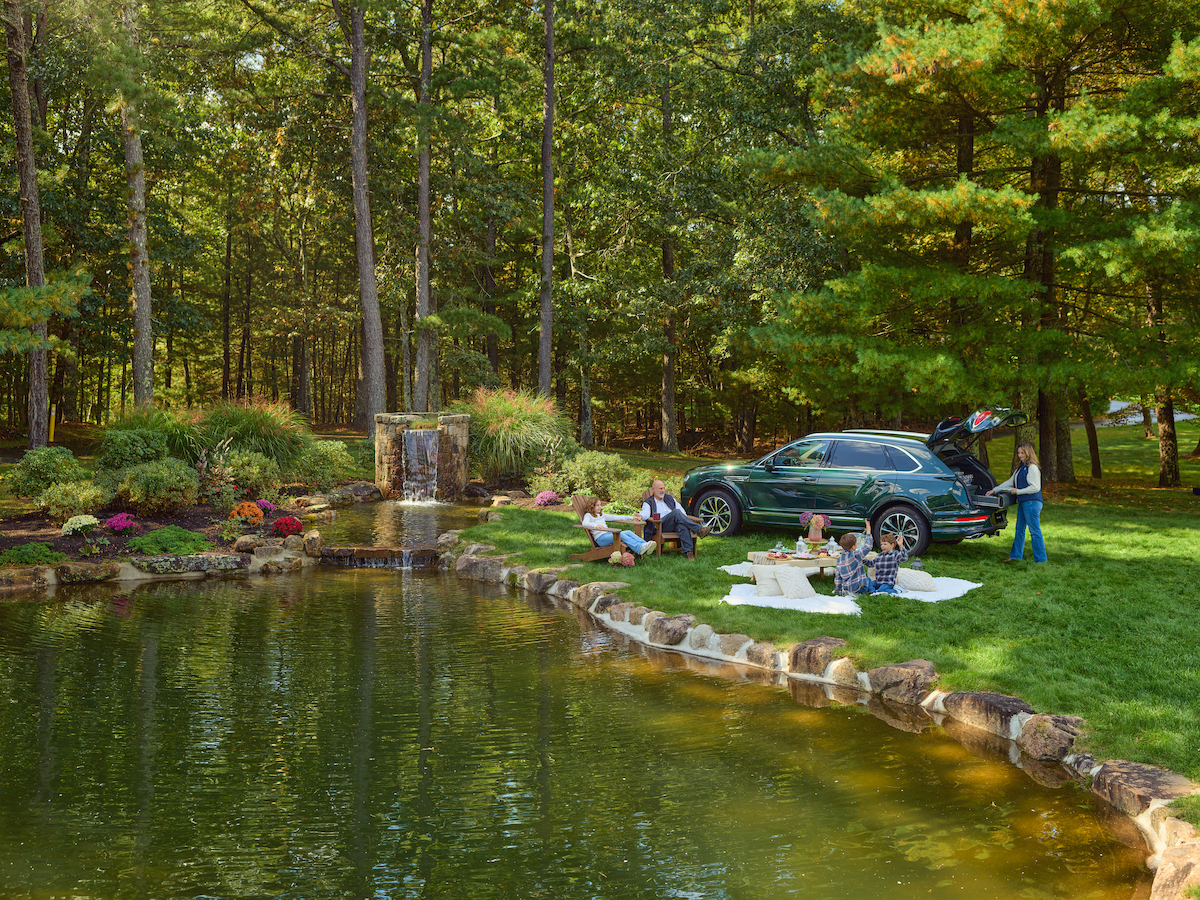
x=744 y=595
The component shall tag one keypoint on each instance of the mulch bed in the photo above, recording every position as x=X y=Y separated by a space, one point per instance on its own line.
x=36 y=527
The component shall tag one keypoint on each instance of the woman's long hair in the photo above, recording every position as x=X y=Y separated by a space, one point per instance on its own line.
x=1033 y=460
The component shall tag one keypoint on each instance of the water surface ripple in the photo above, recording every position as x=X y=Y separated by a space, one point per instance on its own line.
x=391 y=734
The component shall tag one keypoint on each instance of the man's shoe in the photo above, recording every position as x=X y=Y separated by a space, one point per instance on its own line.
x=689 y=555
x=704 y=531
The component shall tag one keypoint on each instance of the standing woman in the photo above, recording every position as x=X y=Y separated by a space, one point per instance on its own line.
x=1026 y=485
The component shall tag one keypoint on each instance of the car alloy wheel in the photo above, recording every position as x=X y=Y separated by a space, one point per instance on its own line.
x=906 y=521
x=720 y=512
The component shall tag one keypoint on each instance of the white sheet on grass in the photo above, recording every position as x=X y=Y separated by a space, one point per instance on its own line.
x=743 y=595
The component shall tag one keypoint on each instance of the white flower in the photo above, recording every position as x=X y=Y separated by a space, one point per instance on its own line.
x=79 y=525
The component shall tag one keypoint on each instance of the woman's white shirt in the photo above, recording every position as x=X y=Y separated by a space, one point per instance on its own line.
x=1033 y=476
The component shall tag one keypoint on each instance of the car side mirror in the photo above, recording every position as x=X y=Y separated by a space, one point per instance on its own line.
x=769 y=465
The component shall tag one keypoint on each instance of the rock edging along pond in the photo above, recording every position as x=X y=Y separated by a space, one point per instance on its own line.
x=904 y=695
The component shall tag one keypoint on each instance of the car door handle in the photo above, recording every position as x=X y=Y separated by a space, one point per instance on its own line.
x=808 y=479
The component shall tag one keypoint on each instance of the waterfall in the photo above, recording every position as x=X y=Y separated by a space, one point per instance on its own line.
x=420 y=463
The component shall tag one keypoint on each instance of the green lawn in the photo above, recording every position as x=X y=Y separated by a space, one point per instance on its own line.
x=1107 y=630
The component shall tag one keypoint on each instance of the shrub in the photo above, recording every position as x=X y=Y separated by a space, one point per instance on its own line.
x=40 y=468
x=159 y=488
x=287 y=525
x=178 y=431
x=248 y=511
x=252 y=472
x=33 y=554
x=171 y=539
x=120 y=448
x=272 y=429
x=324 y=463
x=123 y=522
x=72 y=498
x=602 y=475
x=512 y=431
x=266 y=506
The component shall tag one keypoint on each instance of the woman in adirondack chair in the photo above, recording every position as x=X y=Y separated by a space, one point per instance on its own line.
x=594 y=518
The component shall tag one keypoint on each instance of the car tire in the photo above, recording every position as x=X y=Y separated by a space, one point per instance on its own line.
x=903 y=519
x=720 y=511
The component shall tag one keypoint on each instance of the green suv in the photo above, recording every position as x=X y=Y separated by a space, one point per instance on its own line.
x=927 y=487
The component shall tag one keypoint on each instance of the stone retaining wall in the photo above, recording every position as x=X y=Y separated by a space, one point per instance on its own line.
x=818 y=672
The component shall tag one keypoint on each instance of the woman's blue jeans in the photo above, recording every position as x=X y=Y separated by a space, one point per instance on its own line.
x=632 y=541
x=1029 y=514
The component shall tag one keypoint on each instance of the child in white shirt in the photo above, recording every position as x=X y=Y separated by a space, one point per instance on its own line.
x=594 y=518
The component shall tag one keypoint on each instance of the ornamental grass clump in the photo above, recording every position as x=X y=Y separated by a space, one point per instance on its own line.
x=273 y=429
x=176 y=430
x=512 y=431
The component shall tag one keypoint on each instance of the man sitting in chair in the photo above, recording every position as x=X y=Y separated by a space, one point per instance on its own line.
x=672 y=518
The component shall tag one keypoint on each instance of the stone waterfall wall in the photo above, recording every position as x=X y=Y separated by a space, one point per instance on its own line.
x=452 y=451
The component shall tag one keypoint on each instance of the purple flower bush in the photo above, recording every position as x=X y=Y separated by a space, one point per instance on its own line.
x=123 y=522
x=546 y=498
x=266 y=506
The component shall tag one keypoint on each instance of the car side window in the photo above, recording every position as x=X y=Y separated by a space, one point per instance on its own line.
x=901 y=461
x=808 y=453
x=861 y=455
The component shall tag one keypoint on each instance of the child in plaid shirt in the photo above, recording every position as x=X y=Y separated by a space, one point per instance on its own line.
x=849 y=576
x=887 y=563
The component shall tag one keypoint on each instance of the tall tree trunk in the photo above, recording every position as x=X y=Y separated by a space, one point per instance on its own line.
x=139 y=258
x=1168 y=445
x=227 y=299
x=31 y=215
x=1089 y=424
x=1048 y=435
x=489 y=291
x=1062 y=432
x=669 y=430
x=546 y=318
x=425 y=348
x=364 y=235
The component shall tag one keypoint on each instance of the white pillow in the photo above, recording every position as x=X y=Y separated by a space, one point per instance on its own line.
x=764 y=577
x=913 y=580
x=793 y=581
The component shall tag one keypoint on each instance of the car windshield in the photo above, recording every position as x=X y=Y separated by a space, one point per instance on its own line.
x=804 y=453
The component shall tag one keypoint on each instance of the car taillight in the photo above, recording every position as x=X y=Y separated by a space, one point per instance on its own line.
x=972 y=518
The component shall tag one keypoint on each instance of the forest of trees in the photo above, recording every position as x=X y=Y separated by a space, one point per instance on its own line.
x=700 y=222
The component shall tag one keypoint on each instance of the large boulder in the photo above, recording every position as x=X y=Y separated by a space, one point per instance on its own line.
x=732 y=643
x=997 y=713
x=587 y=593
x=447 y=539
x=1049 y=737
x=1130 y=786
x=313 y=542
x=701 y=637
x=247 y=543
x=1178 y=870
x=905 y=682
x=540 y=581
x=842 y=672
x=760 y=653
x=812 y=657
x=171 y=564
x=670 y=630
x=86 y=572
x=480 y=568
x=362 y=491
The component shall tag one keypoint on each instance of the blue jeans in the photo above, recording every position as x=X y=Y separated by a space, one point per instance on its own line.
x=1029 y=514
x=632 y=541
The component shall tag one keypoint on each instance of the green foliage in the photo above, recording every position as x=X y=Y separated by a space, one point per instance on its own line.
x=590 y=472
x=177 y=433
x=271 y=429
x=324 y=463
x=1187 y=808
x=171 y=539
x=21 y=307
x=253 y=472
x=67 y=499
x=159 y=488
x=120 y=448
x=41 y=468
x=32 y=554
x=512 y=431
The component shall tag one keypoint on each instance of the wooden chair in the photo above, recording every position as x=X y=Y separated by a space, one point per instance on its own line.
x=663 y=538
x=581 y=504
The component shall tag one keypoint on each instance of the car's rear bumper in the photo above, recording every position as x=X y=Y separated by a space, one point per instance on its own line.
x=970 y=524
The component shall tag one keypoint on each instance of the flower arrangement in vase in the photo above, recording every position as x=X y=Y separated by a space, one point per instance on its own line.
x=816 y=523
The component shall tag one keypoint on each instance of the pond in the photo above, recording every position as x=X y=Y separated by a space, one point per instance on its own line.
x=398 y=734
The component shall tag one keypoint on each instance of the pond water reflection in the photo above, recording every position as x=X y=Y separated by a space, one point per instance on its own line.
x=374 y=733
x=396 y=523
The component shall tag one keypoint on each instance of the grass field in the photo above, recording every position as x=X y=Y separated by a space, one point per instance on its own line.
x=1107 y=630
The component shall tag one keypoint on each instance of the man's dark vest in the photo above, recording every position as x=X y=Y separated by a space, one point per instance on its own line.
x=651 y=528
